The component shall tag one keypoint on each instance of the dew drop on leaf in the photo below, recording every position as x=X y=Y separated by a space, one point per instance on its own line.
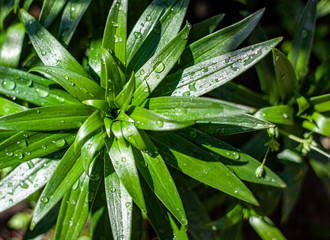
x=24 y=185
x=60 y=143
x=127 y=204
x=9 y=85
x=148 y=18
x=112 y=190
x=44 y=199
x=11 y=201
x=192 y=87
x=30 y=164
x=137 y=34
x=123 y=159
x=38 y=111
x=303 y=33
x=160 y=123
x=44 y=147
x=159 y=67
x=22 y=143
x=234 y=68
x=205 y=69
x=43 y=53
x=186 y=94
x=19 y=155
x=235 y=155
x=75 y=185
x=114 y=24
x=193 y=133
x=42 y=93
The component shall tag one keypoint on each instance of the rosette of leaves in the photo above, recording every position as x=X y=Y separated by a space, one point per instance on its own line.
x=109 y=139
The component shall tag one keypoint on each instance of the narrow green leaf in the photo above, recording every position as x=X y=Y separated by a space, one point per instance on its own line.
x=98 y=104
x=302 y=43
x=25 y=146
x=321 y=103
x=66 y=174
x=220 y=42
x=94 y=58
x=122 y=159
x=49 y=11
x=50 y=51
x=191 y=109
x=24 y=180
x=119 y=203
x=133 y=136
x=124 y=98
x=234 y=216
x=114 y=37
x=76 y=204
x=282 y=114
x=265 y=228
x=72 y=14
x=285 y=75
x=302 y=102
x=27 y=4
x=200 y=165
x=46 y=118
x=232 y=125
x=158 y=66
x=93 y=123
x=318 y=123
x=147 y=120
x=11 y=48
x=6 y=7
x=206 y=27
x=215 y=72
x=80 y=87
x=8 y=107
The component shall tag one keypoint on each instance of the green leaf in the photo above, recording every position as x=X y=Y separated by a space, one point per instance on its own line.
x=162 y=34
x=318 y=123
x=6 y=7
x=11 y=48
x=265 y=228
x=156 y=174
x=285 y=75
x=93 y=123
x=76 y=204
x=98 y=104
x=157 y=67
x=8 y=107
x=321 y=103
x=133 y=135
x=302 y=43
x=282 y=114
x=125 y=96
x=234 y=216
x=200 y=165
x=50 y=10
x=32 y=88
x=191 y=109
x=66 y=174
x=114 y=37
x=119 y=202
x=144 y=25
x=50 y=51
x=232 y=125
x=24 y=180
x=24 y=146
x=122 y=159
x=80 y=87
x=51 y=118
x=72 y=14
x=215 y=72
x=147 y=120
x=94 y=58
x=302 y=102
x=204 y=28
x=220 y=42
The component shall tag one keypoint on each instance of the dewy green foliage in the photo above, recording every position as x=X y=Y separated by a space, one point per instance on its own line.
x=113 y=139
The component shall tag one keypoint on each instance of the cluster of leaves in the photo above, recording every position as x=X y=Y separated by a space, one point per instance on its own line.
x=111 y=138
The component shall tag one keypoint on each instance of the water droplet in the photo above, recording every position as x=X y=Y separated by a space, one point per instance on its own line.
x=19 y=155
x=75 y=185
x=148 y=18
x=112 y=190
x=115 y=24
x=43 y=53
x=156 y=30
x=27 y=153
x=11 y=201
x=78 y=124
x=35 y=185
x=44 y=199
x=30 y=164
x=38 y=111
x=60 y=143
x=44 y=147
x=159 y=67
x=116 y=38
x=10 y=154
x=235 y=155
x=205 y=69
x=22 y=143
x=10 y=184
x=40 y=34
x=186 y=94
x=73 y=12
x=277 y=58
x=160 y=123
x=84 y=90
x=123 y=159
x=24 y=185
x=193 y=133
x=234 y=68
x=127 y=204
x=285 y=116
x=29 y=83
x=192 y=87
x=42 y=93
x=95 y=177
x=303 y=33
x=137 y=34
x=236 y=191
x=9 y=85
x=72 y=84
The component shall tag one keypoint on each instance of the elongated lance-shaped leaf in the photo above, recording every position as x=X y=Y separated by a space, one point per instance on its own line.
x=66 y=174
x=156 y=174
x=234 y=216
x=321 y=103
x=302 y=42
x=24 y=180
x=114 y=37
x=190 y=160
x=210 y=74
x=133 y=135
x=243 y=165
x=8 y=107
x=161 y=219
x=281 y=114
x=318 y=123
x=46 y=118
x=32 y=88
x=265 y=228
x=49 y=11
x=94 y=58
x=191 y=109
x=144 y=25
x=11 y=48
x=162 y=33
x=91 y=125
x=220 y=42
x=123 y=160
x=79 y=86
x=72 y=14
x=148 y=120
x=232 y=125
x=91 y=148
x=285 y=75
x=119 y=202
x=6 y=7
x=77 y=203
x=25 y=146
x=157 y=67
x=50 y=51
x=101 y=105
x=124 y=98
